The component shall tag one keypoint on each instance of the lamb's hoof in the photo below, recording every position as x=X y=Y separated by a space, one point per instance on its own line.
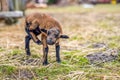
x=58 y=61
x=45 y=63
x=28 y=53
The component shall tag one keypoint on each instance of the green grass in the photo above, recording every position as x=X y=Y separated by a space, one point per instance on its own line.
x=15 y=52
x=7 y=70
x=72 y=61
x=1 y=49
x=77 y=38
x=52 y=72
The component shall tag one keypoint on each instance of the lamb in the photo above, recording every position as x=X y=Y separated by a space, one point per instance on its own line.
x=50 y=30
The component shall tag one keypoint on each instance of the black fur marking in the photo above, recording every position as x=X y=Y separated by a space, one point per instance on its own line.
x=31 y=30
x=37 y=31
x=58 y=53
x=39 y=42
x=64 y=36
x=27 y=31
x=43 y=30
x=27 y=42
x=28 y=24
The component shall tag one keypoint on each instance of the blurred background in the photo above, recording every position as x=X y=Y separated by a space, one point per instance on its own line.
x=92 y=25
x=11 y=6
x=21 y=5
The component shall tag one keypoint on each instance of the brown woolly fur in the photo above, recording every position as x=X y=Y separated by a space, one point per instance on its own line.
x=45 y=21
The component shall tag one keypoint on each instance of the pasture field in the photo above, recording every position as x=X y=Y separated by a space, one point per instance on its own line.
x=91 y=30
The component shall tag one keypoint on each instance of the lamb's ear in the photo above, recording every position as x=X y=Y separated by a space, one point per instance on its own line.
x=64 y=36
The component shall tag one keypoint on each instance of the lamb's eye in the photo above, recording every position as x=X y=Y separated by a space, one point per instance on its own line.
x=56 y=35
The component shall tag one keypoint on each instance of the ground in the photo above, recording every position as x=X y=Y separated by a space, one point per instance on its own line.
x=91 y=30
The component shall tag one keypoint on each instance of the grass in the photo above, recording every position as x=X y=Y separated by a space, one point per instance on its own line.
x=1 y=49
x=15 y=52
x=7 y=70
x=79 y=9
x=85 y=27
x=54 y=71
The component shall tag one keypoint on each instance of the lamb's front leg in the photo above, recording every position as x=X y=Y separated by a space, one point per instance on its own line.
x=31 y=35
x=45 y=55
x=27 y=45
x=45 y=50
x=35 y=38
x=57 y=47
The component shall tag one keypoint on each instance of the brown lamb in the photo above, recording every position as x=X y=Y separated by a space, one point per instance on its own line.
x=50 y=30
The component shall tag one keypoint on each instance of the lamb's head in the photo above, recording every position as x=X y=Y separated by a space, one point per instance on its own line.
x=53 y=34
